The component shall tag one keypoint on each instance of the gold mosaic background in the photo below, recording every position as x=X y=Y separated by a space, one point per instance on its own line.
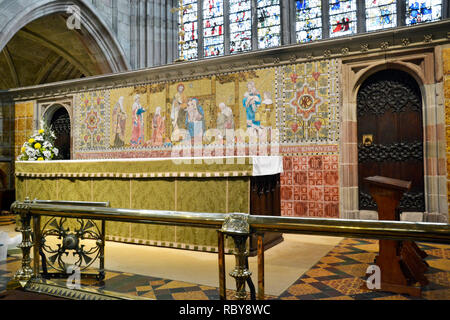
x=23 y=124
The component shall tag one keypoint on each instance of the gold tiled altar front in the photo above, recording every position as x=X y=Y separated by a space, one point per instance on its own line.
x=156 y=185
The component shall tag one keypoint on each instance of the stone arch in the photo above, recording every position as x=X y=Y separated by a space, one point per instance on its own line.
x=98 y=34
x=410 y=68
x=420 y=66
x=51 y=109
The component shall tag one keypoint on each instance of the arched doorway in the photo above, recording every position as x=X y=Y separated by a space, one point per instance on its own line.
x=390 y=135
x=60 y=123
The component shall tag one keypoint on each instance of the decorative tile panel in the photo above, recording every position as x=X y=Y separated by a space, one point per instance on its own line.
x=310 y=186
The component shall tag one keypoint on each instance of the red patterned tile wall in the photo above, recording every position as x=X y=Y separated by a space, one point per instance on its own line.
x=310 y=186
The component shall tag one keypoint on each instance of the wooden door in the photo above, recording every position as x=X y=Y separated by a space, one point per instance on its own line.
x=60 y=124
x=390 y=136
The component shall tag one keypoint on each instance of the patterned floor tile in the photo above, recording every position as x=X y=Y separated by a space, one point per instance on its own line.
x=356 y=270
x=371 y=247
x=364 y=257
x=440 y=278
x=338 y=298
x=396 y=297
x=348 y=286
x=337 y=276
x=144 y=288
x=157 y=283
x=309 y=280
x=443 y=294
x=439 y=252
x=193 y=295
x=149 y=295
x=331 y=260
x=442 y=264
x=318 y=272
x=175 y=284
x=302 y=289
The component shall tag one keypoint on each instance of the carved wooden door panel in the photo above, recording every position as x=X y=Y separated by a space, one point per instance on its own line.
x=390 y=136
x=61 y=126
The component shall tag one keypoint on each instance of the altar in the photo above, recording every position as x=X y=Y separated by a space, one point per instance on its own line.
x=214 y=185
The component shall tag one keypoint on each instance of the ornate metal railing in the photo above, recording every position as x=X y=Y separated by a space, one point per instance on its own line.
x=236 y=225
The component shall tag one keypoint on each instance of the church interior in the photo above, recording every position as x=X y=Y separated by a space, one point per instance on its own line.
x=224 y=150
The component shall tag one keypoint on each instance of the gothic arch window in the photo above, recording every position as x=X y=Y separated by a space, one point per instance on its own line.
x=240 y=26
x=269 y=23
x=213 y=28
x=342 y=17
x=420 y=11
x=381 y=14
x=222 y=27
x=308 y=14
x=190 y=27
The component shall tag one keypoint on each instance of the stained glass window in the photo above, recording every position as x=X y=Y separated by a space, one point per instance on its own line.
x=269 y=23
x=381 y=14
x=308 y=20
x=419 y=11
x=240 y=26
x=190 y=48
x=213 y=39
x=342 y=17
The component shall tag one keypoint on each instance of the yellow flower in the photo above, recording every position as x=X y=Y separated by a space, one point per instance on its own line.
x=31 y=140
x=41 y=131
x=40 y=159
x=22 y=150
x=37 y=146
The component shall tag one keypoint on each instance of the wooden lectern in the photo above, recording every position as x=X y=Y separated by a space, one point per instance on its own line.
x=401 y=262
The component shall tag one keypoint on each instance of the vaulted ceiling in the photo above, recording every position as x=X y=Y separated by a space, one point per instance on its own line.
x=44 y=51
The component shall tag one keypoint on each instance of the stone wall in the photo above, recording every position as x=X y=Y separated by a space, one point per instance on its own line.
x=446 y=67
x=146 y=30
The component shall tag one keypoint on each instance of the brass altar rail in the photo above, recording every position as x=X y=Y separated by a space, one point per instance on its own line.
x=238 y=226
x=75 y=203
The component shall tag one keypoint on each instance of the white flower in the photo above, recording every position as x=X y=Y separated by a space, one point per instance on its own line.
x=47 y=145
x=45 y=137
x=30 y=152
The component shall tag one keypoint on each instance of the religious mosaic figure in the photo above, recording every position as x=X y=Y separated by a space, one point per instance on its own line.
x=225 y=120
x=158 y=128
x=265 y=110
x=178 y=113
x=251 y=101
x=137 y=132
x=195 y=118
x=119 y=118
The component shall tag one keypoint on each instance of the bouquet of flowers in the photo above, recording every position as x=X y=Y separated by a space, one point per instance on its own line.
x=40 y=146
